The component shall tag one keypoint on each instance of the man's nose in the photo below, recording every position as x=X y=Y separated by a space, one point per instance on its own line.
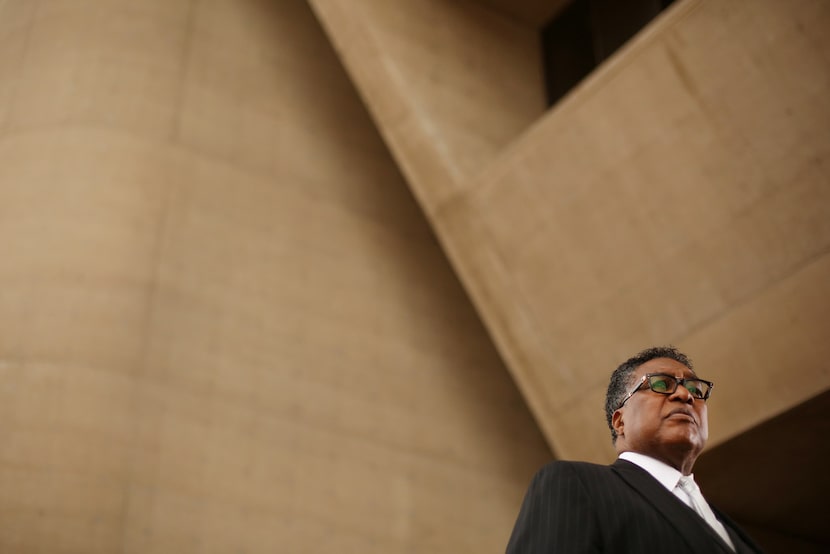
x=682 y=394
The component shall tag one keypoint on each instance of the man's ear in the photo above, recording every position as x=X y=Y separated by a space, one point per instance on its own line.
x=617 y=423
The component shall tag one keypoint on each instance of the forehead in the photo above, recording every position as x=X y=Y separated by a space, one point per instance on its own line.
x=664 y=365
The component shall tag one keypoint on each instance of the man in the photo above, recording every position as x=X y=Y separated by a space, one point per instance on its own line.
x=646 y=501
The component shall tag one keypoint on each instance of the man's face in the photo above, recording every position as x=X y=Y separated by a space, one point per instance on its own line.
x=662 y=425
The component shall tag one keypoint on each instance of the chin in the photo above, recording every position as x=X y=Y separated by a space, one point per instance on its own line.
x=690 y=441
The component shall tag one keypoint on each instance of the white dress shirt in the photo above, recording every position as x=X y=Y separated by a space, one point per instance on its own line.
x=665 y=474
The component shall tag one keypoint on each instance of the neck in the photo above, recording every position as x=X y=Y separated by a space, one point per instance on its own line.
x=683 y=464
x=683 y=460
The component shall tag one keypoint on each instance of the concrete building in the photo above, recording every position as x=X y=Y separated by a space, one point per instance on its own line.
x=331 y=276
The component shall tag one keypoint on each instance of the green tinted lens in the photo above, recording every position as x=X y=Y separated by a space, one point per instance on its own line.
x=662 y=383
x=697 y=388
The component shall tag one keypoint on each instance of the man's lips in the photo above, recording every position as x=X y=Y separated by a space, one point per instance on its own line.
x=682 y=414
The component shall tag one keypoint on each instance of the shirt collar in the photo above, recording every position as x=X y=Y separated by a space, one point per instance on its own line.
x=665 y=474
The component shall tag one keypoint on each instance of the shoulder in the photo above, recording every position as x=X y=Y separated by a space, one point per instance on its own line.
x=566 y=474
x=567 y=465
x=568 y=468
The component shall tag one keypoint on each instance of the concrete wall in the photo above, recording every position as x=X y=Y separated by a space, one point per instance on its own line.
x=225 y=325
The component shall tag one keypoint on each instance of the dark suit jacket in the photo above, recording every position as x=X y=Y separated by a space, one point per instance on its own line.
x=581 y=507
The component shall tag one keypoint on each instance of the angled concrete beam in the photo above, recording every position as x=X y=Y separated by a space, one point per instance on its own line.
x=679 y=195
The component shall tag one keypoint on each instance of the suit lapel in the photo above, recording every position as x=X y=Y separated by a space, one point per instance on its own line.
x=694 y=530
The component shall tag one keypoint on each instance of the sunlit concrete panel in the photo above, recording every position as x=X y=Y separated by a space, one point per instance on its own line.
x=226 y=325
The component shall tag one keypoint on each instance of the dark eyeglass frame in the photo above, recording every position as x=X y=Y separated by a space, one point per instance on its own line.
x=677 y=382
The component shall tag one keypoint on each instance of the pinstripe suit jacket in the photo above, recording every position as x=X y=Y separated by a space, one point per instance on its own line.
x=581 y=507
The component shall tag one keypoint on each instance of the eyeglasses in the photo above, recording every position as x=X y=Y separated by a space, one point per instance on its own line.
x=667 y=384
